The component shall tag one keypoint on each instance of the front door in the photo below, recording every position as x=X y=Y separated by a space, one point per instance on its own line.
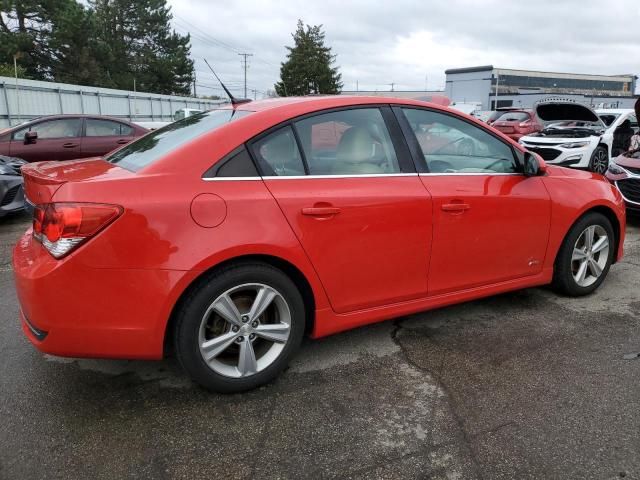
x=491 y=223
x=362 y=216
x=58 y=139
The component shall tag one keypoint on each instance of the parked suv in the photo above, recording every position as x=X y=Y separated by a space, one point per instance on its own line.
x=517 y=123
x=65 y=137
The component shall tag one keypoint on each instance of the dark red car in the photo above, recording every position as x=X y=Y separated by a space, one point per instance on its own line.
x=229 y=235
x=517 y=123
x=65 y=137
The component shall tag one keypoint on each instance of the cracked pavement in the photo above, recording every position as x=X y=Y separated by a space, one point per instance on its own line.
x=522 y=385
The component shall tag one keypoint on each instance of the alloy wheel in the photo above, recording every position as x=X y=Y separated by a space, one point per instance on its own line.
x=590 y=255
x=244 y=330
x=600 y=162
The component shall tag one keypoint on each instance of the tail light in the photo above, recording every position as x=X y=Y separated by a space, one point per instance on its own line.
x=61 y=227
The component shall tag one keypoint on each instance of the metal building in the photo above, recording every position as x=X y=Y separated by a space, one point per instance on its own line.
x=506 y=87
x=26 y=99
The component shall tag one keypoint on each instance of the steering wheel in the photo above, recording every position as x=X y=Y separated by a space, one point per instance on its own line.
x=492 y=165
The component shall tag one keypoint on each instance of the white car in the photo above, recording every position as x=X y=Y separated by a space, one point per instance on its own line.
x=575 y=136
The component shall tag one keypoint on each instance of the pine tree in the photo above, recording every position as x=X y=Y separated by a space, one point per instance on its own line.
x=308 y=68
x=135 y=40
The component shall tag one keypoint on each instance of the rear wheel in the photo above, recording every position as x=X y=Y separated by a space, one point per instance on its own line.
x=585 y=256
x=599 y=160
x=239 y=327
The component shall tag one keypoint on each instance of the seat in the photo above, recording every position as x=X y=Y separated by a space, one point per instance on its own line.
x=281 y=156
x=622 y=138
x=356 y=154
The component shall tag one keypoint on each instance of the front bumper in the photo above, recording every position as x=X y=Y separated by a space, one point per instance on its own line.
x=553 y=154
x=11 y=194
x=72 y=310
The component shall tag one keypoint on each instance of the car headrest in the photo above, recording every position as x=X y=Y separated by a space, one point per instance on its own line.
x=356 y=146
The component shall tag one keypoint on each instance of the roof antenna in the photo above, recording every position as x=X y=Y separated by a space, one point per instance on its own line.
x=234 y=101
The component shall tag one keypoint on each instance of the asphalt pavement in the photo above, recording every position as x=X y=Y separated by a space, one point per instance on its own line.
x=522 y=385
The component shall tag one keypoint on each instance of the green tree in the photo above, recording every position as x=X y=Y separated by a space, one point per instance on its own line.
x=135 y=41
x=309 y=65
x=52 y=39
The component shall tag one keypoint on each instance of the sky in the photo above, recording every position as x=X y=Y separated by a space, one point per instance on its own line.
x=410 y=43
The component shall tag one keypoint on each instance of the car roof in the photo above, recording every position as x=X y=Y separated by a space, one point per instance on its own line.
x=71 y=115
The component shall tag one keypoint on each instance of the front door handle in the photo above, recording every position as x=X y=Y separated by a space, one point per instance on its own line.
x=122 y=142
x=455 y=207
x=69 y=145
x=320 y=211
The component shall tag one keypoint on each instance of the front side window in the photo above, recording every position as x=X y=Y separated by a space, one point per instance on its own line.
x=347 y=142
x=451 y=145
x=158 y=143
x=106 y=128
x=61 y=128
x=277 y=154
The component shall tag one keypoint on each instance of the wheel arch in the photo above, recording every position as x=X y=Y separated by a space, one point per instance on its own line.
x=610 y=215
x=288 y=268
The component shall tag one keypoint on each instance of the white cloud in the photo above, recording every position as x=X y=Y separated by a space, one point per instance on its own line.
x=406 y=42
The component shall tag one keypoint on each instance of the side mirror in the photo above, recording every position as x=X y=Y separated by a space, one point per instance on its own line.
x=533 y=165
x=30 y=137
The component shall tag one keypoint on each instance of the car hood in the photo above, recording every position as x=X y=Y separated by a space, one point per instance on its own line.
x=566 y=111
x=11 y=163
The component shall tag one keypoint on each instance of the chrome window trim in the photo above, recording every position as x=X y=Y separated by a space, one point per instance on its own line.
x=302 y=177
x=473 y=174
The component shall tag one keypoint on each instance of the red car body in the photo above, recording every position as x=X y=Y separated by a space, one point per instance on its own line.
x=400 y=244
x=517 y=123
x=66 y=137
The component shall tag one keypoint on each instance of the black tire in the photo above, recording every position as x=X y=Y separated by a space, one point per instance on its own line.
x=563 y=279
x=599 y=161
x=194 y=305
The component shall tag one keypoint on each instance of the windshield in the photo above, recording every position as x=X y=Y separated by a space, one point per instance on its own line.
x=158 y=143
x=513 y=117
x=609 y=118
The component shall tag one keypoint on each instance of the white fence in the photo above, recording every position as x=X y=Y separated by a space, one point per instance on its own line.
x=32 y=98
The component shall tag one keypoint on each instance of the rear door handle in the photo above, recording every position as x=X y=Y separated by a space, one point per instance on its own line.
x=69 y=145
x=455 y=207
x=320 y=211
x=122 y=142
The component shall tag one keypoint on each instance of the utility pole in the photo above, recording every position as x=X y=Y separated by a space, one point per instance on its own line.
x=245 y=65
x=392 y=84
x=255 y=94
x=497 y=85
x=15 y=70
x=194 y=84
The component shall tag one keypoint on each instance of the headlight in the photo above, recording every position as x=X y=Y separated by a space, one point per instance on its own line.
x=616 y=169
x=574 y=145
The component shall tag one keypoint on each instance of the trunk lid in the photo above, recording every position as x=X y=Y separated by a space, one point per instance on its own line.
x=43 y=179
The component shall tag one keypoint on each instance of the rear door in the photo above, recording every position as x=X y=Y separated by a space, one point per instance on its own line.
x=101 y=136
x=346 y=183
x=58 y=139
x=491 y=223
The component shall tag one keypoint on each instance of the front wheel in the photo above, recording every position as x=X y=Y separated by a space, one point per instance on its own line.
x=599 y=160
x=239 y=327
x=585 y=256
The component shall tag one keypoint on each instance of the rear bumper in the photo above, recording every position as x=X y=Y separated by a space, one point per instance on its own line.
x=11 y=194
x=72 y=310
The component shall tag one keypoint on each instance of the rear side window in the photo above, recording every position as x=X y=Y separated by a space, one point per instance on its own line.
x=348 y=142
x=278 y=155
x=106 y=128
x=60 y=128
x=153 y=146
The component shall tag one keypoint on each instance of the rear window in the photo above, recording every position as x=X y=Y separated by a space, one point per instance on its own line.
x=513 y=117
x=157 y=144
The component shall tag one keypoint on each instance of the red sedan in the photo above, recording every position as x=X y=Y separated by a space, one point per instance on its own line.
x=226 y=237
x=517 y=123
x=65 y=137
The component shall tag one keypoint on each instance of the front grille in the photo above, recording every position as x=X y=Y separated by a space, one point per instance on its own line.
x=635 y=170
x=546 y=153
x=630 y=189
x=9 y=196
